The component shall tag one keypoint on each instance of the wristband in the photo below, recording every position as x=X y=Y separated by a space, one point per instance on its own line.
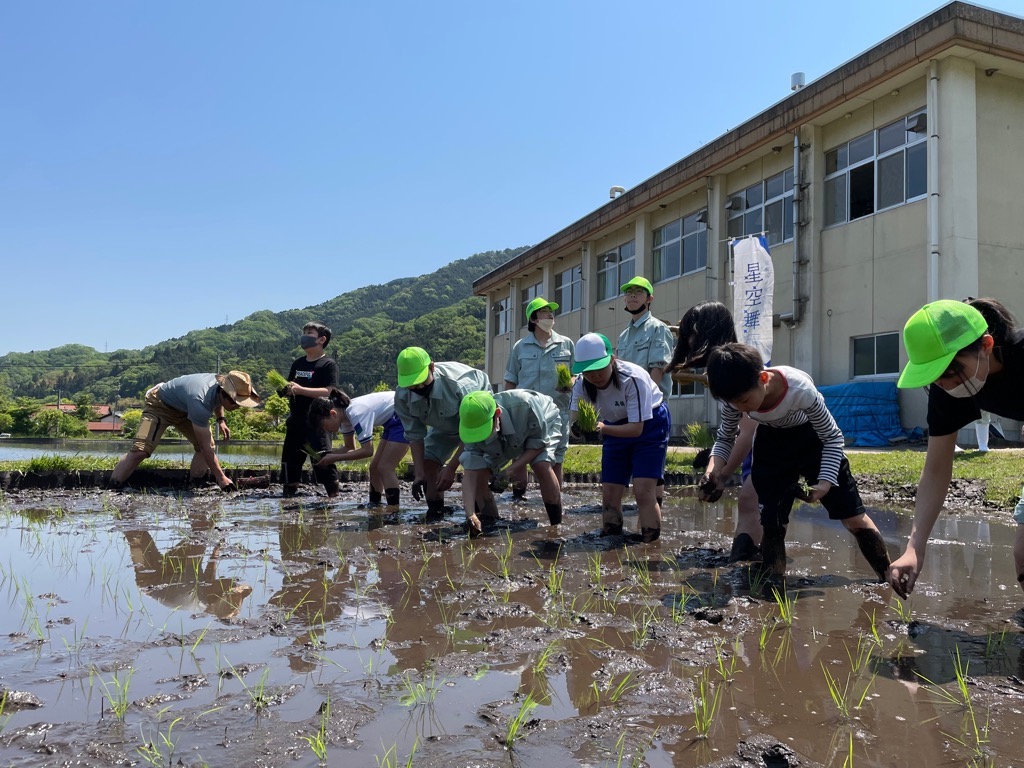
x=220 y=419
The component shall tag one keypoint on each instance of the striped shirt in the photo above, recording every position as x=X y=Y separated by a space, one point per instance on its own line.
x=633 y=400
x=801 y=403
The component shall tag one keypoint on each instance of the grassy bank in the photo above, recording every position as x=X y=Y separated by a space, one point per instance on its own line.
x=1001 y=472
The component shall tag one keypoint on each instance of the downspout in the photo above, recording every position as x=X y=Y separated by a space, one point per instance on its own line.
x=793 y=317
x=932 y=116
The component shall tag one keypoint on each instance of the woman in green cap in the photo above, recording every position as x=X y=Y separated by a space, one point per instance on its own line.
x=970 y=355
x=533 y=364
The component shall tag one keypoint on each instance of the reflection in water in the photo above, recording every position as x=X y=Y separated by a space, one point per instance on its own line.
x=178 y=578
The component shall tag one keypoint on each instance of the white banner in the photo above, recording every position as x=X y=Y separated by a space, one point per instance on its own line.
x=753 y=287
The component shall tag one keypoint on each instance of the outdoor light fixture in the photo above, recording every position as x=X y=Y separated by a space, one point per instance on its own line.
x=918 y=123
x=702 y=217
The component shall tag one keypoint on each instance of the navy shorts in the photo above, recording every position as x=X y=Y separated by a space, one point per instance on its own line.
x=394 y=432
x=623 y=458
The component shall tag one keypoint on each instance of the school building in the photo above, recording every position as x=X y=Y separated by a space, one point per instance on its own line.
x=893 y=180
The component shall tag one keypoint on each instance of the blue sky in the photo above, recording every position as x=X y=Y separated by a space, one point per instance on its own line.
x=170 y=166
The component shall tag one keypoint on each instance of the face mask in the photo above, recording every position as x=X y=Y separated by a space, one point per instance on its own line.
x=546 y=324
x=972 y=386
x=306 y=342
x=639 y=311
x=424 y=391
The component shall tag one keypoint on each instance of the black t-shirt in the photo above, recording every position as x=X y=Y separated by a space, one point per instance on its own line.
x=1003 y=394
x=319 y=373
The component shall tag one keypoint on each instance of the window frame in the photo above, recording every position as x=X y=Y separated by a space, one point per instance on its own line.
x=575 y=288
x=875 y=374
x=502 y=316
x=527 y=295
x=842 y=153
x=742 y=212
x=677 y=393
x=613 y=274
x=698 y=232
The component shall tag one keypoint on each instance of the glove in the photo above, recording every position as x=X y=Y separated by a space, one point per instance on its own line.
x=419 y=489
x=709 y=490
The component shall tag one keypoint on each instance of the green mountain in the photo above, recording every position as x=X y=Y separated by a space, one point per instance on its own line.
x=370 y=326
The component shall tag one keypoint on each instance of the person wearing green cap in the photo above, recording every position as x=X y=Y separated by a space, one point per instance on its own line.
x=517 y=426
x=427 y=402
x=647 y=342
x=970 y=355
x=634 y=427
x=533 y=364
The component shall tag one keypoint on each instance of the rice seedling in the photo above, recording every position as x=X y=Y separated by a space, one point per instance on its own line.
x=767 y=627
x=257 y=693
x=504 y=555
x=115 y=691
x=625 y=685
x=845 y=696
x=995 y=645
x=785 y=606
x=554 y=580
x=318 y=741
x=706 y=700
x=518 y=721
x=681 y=603
x=642 y=623
x=390 y=757
x=4 y=715
x=725 y=663
x=419 y=693
x=541 y=664
x=903 y=610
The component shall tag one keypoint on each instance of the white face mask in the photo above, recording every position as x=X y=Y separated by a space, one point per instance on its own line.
x=546 y=324
x=972 y=386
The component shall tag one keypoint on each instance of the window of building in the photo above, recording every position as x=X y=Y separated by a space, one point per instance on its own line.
x=502 y=309
x=877 y=355
x=681 y=246
x=614 y=268
x=528 y=295
x=569 y=290
x=766 y=206
x=690 y=389
x=878 y=170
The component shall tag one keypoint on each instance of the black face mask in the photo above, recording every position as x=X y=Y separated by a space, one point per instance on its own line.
x=425 y=390
x=637 y=311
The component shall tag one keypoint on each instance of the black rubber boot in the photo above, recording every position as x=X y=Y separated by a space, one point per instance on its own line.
x=873 y=548
x=773 y=550
x=375 y=497
x=554 y=513
x=391 y=496
x=435 y=510
x=649 y=535
x=611 y=529
x=518 y=493
x=611 y=521
x=743 y=549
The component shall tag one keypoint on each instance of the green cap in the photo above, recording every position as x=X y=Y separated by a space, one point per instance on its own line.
x=476 y=416
x=593 y=352
x=639 y=282
x=933 y=335
x=538 y=304
x=413 y=366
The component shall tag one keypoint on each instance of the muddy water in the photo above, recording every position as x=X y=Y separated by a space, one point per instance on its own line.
x=246 y=631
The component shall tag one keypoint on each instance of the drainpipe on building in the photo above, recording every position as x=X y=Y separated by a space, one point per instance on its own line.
x=793 y=318
x=933 y=180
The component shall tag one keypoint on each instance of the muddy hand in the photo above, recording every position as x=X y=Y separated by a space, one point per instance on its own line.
x=903 y=576
x=419 y=489
x=709 y=490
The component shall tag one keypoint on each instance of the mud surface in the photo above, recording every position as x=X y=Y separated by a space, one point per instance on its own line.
x=248 y=630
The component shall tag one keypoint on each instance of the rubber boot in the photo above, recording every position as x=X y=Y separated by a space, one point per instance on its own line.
x=650 y=535
x=375 y=497
x=391 y=496
x=873 y=548
x=773 y=550
x=518 y=493
x=554 y=513
x=435 y=510
x=981 y=430
x=743 y=548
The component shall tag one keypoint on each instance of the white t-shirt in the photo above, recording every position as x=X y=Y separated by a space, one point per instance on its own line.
x=634 y=399
x=367 y=412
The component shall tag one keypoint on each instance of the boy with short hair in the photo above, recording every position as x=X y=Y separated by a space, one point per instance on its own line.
x=796 y=436
x=310 y=376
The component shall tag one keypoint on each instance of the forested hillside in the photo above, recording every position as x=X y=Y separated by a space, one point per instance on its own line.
x=371 y=325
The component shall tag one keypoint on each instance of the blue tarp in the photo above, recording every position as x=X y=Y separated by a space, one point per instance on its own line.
x=868 y=412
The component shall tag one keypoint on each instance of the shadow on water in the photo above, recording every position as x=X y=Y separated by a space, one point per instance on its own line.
x=199 y=629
